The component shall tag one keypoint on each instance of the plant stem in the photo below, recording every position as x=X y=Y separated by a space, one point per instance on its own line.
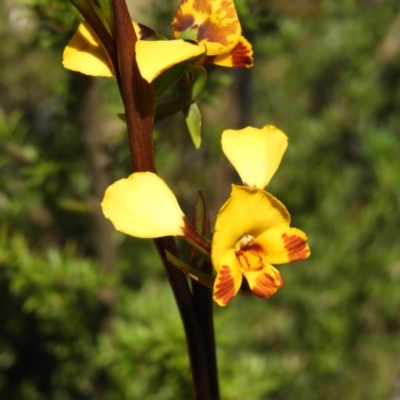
x=139 y=101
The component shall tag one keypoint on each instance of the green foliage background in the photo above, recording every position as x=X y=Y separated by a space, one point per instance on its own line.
x=72 y=327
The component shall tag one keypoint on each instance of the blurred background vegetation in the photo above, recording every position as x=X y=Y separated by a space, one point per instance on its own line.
x=86 y=313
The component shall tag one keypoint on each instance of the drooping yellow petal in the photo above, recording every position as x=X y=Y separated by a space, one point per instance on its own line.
x=248 y=211
x=264 y=283
x=228 y=279
x=283 y=245
x=214 y=23
x=255 y=153
x=85 y=53
x=143 y=206
x=241 y=56
x=154 y=57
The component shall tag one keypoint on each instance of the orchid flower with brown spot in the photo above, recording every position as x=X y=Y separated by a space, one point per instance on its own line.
x=205 y=32
x=252 y=230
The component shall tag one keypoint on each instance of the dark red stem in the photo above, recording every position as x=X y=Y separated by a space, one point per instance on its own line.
x=139 y=101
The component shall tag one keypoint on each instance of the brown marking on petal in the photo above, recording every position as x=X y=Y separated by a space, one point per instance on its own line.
x=212 y=32
x=224 y=290
x=241 y=56
x=211 y=25
x=250 y=260
x=296 y=247
x=182 y=22
x=254 y=248
x=203 y=6
x=145 y=31
x=266 y=286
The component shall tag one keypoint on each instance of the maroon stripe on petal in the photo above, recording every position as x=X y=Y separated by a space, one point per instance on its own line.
x=296 y=246
x=224 y=290
x=241 y=56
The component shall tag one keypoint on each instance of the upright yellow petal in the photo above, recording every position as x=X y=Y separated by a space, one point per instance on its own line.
x=248 y=211
x=228 y=279
x=255 y=153
x=143 y=206
x=154 y=57
x=214 y=23
x=283 y=245
x=85 y=53
x=241 y=56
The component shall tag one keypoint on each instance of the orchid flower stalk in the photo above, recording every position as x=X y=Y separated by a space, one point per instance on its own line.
x=252 y=231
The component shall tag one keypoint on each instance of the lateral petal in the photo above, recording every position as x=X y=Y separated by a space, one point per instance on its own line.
x=214 y=23
x=241 y=56
x=84 y=53
x=228 y=279
x=143 y=206
x=248 y=211
x=154 y=57
x=264 y=283
x=283 y=245
x=255 y=153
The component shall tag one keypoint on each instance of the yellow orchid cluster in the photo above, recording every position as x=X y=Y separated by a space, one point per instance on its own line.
x=205 y=32
x=252 y=229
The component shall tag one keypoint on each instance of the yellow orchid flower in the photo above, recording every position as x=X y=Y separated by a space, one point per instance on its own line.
x=201 y=28
x=215 y=24
x=252 y=230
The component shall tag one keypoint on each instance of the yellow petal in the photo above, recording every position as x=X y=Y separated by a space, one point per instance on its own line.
x=154 y=57
x=255 y=153
x=283 y=245
x=248 y=211
x=214 y=23
x=241 y=56
x=143 y=206
x=85 y=53
x=264 y=283
x=228 y=279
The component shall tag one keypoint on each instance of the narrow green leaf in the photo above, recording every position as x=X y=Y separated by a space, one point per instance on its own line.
x=169 y=78
x=204 y=279
x=193 y=123
x=184 y=98
x=107 y=8
x=103 y=14
x=201 y=223
x=200 y=211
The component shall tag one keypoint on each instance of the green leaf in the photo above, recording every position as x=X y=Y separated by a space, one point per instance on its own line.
x=107 y=9
x=204 y=279
x=184 y=98
x=193 y=123
x=169 y=78
x=201 y=223
x=104 y=10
